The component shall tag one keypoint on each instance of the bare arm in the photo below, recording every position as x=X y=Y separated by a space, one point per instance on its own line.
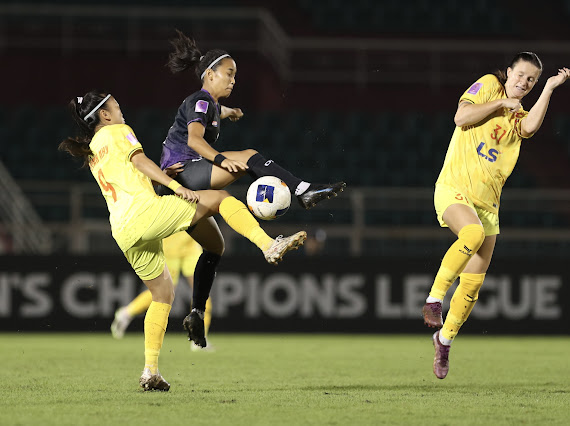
x=197 y=142
x=234 y=114
x=532 y=122
x=146 y=166
x=468 y=114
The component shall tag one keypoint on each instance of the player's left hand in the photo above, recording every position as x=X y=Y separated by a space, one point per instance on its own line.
x=559 y=79
x=235 y=114
x=172 y=171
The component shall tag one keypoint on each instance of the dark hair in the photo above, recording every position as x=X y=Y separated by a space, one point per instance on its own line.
x=80 y=107
x=186 y=55
x=522 y=56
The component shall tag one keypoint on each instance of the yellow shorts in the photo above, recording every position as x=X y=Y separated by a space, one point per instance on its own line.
x=445 y=196
x=171 y=215
x=182 y=254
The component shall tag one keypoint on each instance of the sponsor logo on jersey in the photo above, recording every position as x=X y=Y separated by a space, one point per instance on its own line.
x=490 y=156
x=201 y=106
x=473 y=90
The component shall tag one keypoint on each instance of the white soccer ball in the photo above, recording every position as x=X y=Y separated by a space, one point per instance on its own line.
x=268 y=198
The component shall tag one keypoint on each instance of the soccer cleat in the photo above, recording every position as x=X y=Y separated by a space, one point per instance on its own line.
x=441 y=359
x=194 y=326
x=432 y=315
x=318 y=192
x=282 y=245
x=120 y=323
x=152 y=382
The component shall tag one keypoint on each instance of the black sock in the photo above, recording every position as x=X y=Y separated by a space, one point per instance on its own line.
x=259 y=166
x=204 y=275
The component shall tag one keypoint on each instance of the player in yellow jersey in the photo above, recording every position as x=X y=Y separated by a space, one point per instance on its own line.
x=483 y=151
x=181 y=254
x=140 y=219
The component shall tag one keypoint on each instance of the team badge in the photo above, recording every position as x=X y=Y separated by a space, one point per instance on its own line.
x=473 y=90
x=132 y=139
x=201 y=106
x=215 y=123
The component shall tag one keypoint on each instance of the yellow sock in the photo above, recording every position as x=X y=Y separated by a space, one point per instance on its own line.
x=238 y=217
x=462 y=303
x=140 y=304
x=208 y=315
x=155 y=323
x=455 y=260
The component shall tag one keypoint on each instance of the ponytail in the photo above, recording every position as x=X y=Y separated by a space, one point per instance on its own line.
x=186 y=55
x=81 y=107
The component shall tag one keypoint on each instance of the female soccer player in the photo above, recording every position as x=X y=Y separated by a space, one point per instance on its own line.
x=484 y=149
x=140 y=219
x=188 y=155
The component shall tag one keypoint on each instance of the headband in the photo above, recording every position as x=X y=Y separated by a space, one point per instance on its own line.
x=212 y=64
x=97 y=107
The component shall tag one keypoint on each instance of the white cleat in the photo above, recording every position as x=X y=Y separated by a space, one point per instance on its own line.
x=151 y=382
x=282 y=245
x=120 y=323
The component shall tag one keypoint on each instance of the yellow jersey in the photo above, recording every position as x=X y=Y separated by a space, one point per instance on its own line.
x=482 y=156
x=127 y=191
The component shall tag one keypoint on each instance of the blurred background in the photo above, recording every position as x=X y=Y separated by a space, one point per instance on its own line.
x=364 y=93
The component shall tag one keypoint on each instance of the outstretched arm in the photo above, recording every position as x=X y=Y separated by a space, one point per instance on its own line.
x=532 y=122
x=146 y=166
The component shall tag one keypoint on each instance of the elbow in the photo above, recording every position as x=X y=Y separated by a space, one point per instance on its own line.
x=459 y=121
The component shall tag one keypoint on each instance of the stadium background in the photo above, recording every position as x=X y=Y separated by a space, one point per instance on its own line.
x=364 y=93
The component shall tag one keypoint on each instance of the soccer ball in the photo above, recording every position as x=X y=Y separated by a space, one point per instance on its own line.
x=268 y=198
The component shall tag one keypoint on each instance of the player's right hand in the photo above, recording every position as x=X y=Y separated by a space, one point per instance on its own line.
x=187 y=194
x=512 y=104
x=233 y=165
x=172 y=171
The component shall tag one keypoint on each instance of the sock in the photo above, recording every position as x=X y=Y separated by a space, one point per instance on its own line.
x=140 y=304
x=259 y=166
x=238 y=217
x=204 y=275
x=155 y=323
x=462 y=303
x=455 y=260
x=208 y=316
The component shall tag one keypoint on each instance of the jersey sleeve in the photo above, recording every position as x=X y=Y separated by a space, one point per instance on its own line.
x=130 y=143
x=483 y=90
x=199 y=109
x=518 y=121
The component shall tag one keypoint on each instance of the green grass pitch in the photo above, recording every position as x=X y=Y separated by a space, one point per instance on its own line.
x=289 y=379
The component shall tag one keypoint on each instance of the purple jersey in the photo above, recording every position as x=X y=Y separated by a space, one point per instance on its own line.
x=198 y=107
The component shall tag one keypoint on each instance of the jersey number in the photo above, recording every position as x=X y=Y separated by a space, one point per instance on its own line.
x=497 y=132
x=107 y=186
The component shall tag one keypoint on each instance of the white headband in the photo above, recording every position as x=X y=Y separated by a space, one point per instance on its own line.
x=97 y=107
x=212 y=64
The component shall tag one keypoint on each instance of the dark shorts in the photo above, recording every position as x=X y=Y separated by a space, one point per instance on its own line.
x=197 y=176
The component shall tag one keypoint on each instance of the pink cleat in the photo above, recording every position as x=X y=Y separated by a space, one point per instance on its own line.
x=432 y=315
x=441 y=359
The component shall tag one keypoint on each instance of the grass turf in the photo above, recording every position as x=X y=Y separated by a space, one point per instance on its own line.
x=91 y=379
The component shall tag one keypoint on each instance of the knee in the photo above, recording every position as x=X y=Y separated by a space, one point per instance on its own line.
x=249 y=152
x=473 y=236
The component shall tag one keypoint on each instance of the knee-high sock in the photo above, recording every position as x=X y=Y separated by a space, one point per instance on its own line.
x=208 y=316
x=462 y=303
x=455 y=260
x=238 y=217
x=204 y=275
x=140 y=304
x=259 y=166
x=155 y=323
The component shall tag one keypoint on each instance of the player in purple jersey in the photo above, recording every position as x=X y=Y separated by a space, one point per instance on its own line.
x=189 y=155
